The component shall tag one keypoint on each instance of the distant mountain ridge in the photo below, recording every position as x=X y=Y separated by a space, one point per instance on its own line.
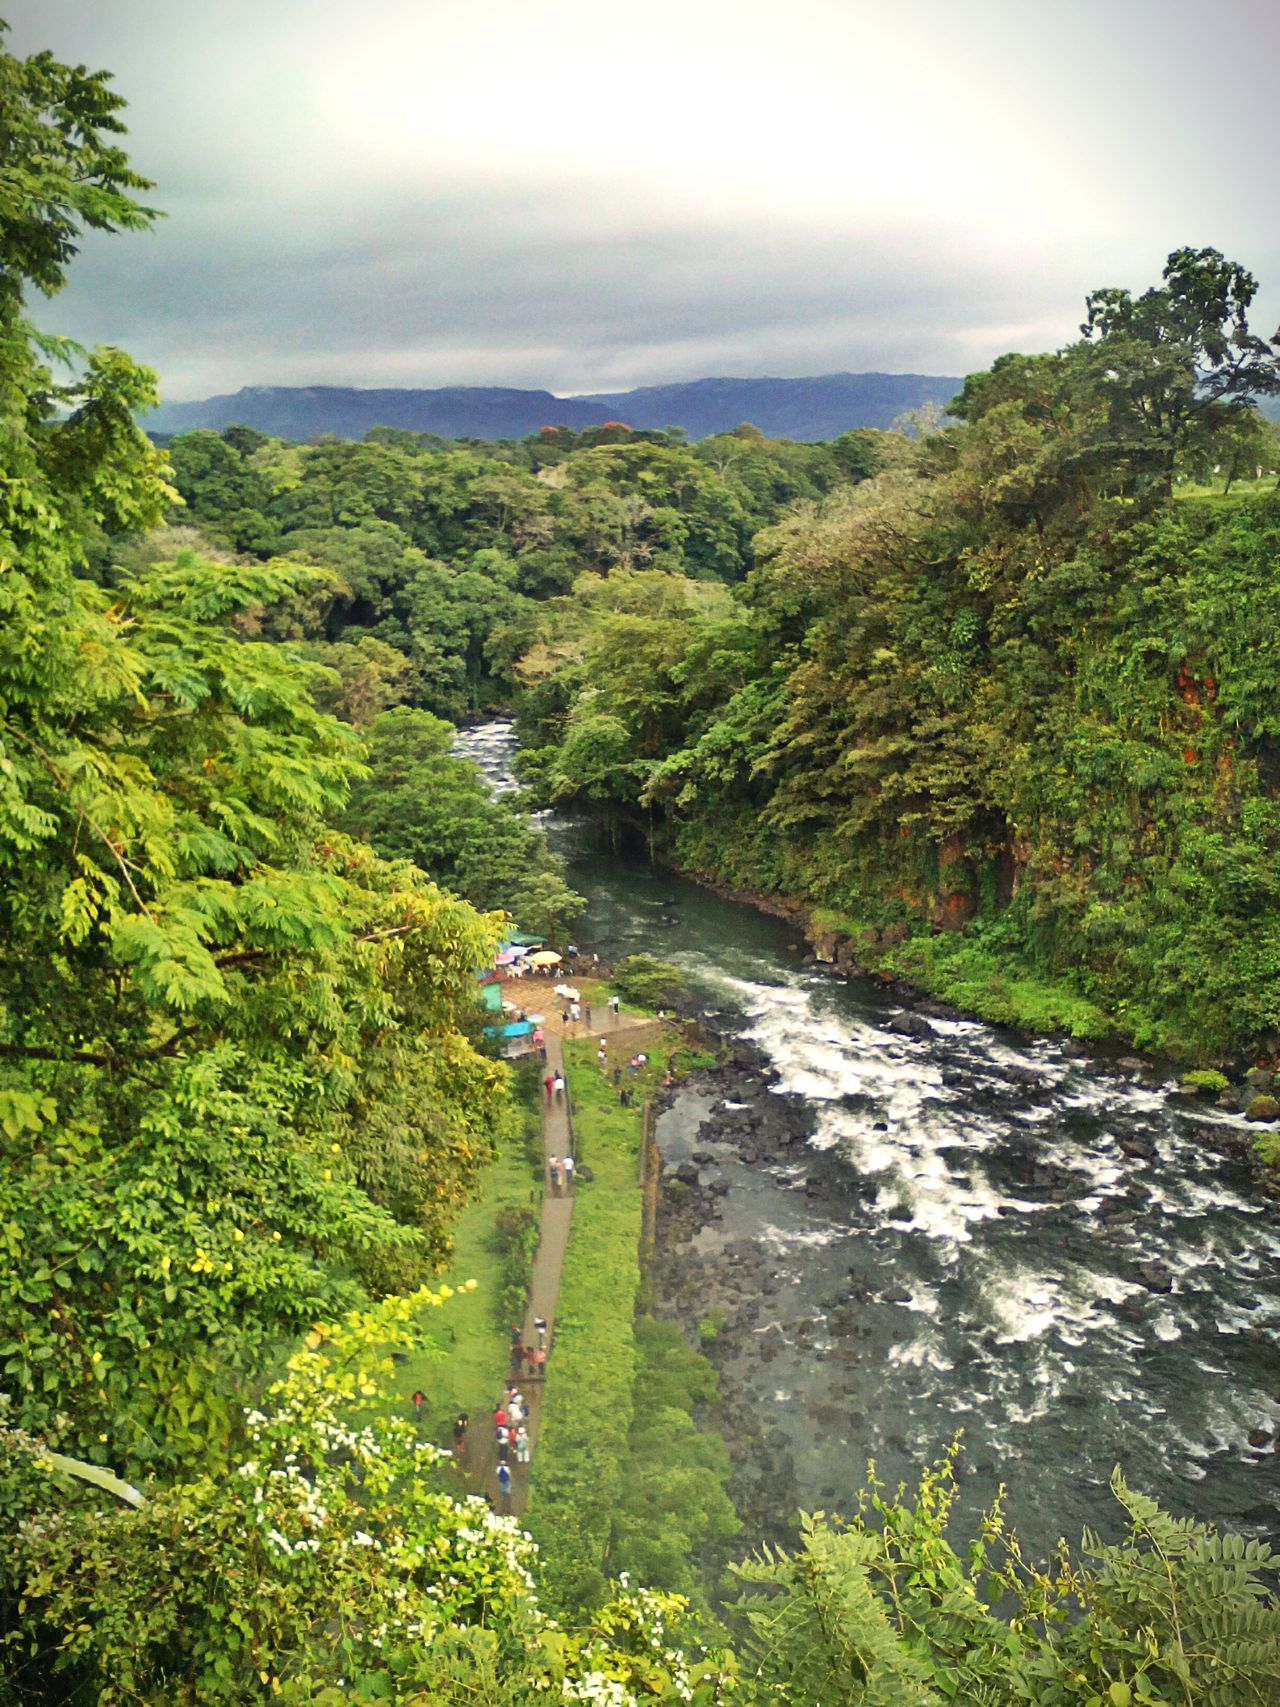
x=820 y=407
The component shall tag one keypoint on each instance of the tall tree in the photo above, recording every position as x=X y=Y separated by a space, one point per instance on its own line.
x=1177 y=362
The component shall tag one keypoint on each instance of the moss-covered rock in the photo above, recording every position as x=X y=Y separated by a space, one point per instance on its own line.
x=1205 y=1081
x=1263 y=1108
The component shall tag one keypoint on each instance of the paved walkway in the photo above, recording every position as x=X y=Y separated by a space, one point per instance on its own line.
x=553 y=1238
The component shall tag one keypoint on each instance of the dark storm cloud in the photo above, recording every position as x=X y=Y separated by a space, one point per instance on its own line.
x=421 y=201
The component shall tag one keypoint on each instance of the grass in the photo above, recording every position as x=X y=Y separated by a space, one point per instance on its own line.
x=587 y=1402
x=465 y=1368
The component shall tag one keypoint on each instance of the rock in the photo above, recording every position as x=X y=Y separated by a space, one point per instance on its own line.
x=1141 y=1149
x=703 y=1157
x=1263 y=1108
x=880 y=1126
x=911 y=1025
x=1131 y=1064
x=1260 y=1080
x=687 y=1173
x=719 y=1188
x=895 y=1295
x=895 y=933
x=1259 y=1436
x=585 y=1174
x=1155 y=1277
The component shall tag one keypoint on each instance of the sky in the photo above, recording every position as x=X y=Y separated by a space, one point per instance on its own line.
x=584 y=195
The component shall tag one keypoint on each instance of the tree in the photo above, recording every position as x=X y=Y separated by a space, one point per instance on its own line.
x=209 y=998
x=422 y=802
x=1179 y=361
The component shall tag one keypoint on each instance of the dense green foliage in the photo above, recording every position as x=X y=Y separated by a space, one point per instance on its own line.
x=442 y=552
x=885 y=1612
x=419 y=802
x=1010 y=686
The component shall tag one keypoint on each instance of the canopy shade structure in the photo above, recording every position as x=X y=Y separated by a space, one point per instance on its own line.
x=544 y=957
x=522 y=939
x=491 y=998
x=517 y=1028
x=508 y=957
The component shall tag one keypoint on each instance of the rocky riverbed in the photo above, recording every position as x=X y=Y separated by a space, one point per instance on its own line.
x=771 y=1253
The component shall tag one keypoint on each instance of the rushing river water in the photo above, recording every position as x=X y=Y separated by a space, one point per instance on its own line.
x=1006 y=1208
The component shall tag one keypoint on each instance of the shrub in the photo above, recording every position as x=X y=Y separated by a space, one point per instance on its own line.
x=515 y=1237
x=649 y=983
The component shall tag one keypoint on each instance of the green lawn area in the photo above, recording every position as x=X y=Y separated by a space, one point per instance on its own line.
x=576 y=1482
x=469 y=1374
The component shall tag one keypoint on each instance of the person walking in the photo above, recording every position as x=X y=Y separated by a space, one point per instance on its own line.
x=460 y=1434
x=540 y=1363
x=553 y=1172
x=559 y=1087
x=418 y=1397
x=522 y=1445
x=602 y=1057
x=568 y=1176
x=549 y=1082
x=613 y=1005
x=586 y=1014
x=575 y=1011
x=540 y=1328
x=504 y=1444
x=504 y=1485
x=499 y=1416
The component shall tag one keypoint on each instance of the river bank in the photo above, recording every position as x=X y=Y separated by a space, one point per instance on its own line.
x=956 y=976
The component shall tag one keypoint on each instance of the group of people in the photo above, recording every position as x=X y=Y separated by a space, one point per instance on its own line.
x=509 y=1420
x=553 y=1084
x=532 y=1358
x=560 y=1171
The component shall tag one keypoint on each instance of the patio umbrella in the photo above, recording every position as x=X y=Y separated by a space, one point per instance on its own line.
x=544 y=957
x=508 y=957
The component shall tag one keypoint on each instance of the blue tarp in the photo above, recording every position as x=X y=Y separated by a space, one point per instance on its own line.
x=517 y=1028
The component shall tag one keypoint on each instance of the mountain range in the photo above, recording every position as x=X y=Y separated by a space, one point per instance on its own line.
x=817 y=408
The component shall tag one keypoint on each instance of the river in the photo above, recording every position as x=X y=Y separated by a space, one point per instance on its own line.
x=1010 y=1237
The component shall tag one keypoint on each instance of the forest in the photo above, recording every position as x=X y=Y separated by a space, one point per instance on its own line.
x=1012 y=673
x=993 y=698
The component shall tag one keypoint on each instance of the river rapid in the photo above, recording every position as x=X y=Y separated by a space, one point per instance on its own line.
x=915 y=1226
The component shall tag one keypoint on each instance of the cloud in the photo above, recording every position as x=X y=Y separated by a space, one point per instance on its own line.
x=583 y=197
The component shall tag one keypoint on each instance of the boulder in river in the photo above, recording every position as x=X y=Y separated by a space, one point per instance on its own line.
x=911 y=1025
x=1155 y=1277
x=1263 y=1108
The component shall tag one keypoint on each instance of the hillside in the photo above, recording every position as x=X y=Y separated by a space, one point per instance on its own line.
x=808 y=409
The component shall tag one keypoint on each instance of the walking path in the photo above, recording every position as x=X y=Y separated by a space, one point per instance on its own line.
x=553 y=1238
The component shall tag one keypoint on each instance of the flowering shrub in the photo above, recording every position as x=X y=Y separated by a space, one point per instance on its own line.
x=329 y=1565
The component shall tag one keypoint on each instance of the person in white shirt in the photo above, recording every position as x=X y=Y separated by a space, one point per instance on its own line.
x=568 y=1175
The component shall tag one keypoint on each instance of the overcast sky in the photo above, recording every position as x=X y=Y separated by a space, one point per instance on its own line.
x=589 y=195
